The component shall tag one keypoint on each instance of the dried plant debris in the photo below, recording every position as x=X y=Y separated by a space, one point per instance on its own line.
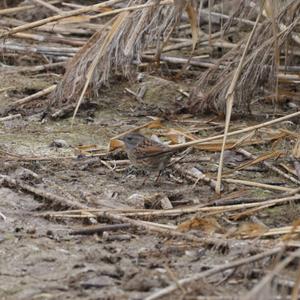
x=259 y=70
x=71 y=200
x=172 y=38
x=115 y=49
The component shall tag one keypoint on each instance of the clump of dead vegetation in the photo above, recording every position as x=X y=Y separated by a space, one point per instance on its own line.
x=115 y=49
x=260 y=69
x=140 y=31
x=131 y=34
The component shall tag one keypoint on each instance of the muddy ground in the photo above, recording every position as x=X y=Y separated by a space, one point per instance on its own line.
x=39 y=258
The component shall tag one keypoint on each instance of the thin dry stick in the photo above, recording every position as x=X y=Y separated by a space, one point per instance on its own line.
x=79 y=12
x=269 y=165
x=32 y=69
x=152 y=227
x=180 y=211
x=276 y=46
x=229 y=103
x=215 y=270
x=209 y=23
x=3 y=216
x=255 y=208
x=206 y=12
x=60 y=17
x=10 y=117
x=14 y=10
x=94 y=63
x=43 y=92
x=54 y=39
x=187 y=43
x=295 y=292
x=179 y=60
x=174 y=278
x=281 y=230
x=76 y=12
x=99 y=229
x=260 y=185
x=250 y=128
x=130 y=8
x=263 y=157
x=252 y=211
x=56 y=51
x=50 y=197
x=257 y=288
x=48 y=5
x=296 y=191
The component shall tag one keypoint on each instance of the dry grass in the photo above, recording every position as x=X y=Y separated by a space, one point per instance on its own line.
x=258 y=70
x=114 y=50
x=258 y=63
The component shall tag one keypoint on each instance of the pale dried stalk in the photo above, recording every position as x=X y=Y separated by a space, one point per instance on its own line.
x=250 y=128
x=260 y=185
x=269 y=166
x=178 y=211
x=60 y=17
x=264 y=281
x=229 y=104
x=156 y=228
x=215 y=270
x=48 y=5
x=101 y=52
x=280 y=230
x=37 y=95
x=14 y=10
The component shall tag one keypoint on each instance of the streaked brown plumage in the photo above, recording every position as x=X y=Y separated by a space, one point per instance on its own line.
x=146 y=153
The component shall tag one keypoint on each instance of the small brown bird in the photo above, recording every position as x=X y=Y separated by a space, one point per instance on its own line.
x=146 y=153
